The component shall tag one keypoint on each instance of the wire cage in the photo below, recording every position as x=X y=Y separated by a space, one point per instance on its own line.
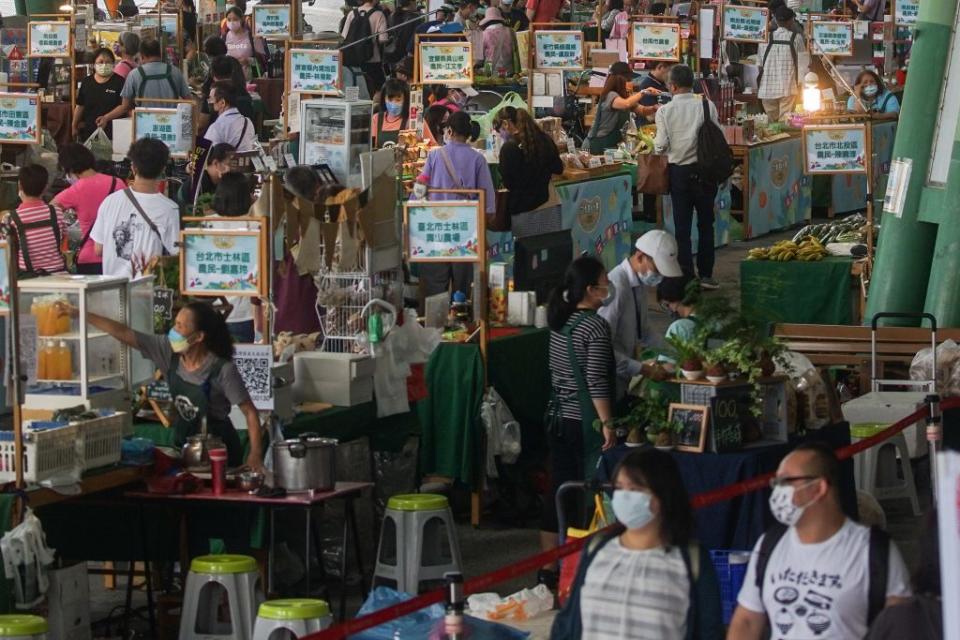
x=341 y=298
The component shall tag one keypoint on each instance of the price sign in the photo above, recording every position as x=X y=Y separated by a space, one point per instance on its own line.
x=835 y=148
x=173 y=127
x=4 y=278
x=559 y=50
x=315 y=71
x=832 y=38
x=725 y=432
x=215 y=262
x=906 y=11
x=163 y=304
x=254 y=363
x=48 y=40
x=650 y=41
x=19 y=118
x=271 y=21
x=745 y=24
x=443 y=231
x=693 y=426
x=449 y=63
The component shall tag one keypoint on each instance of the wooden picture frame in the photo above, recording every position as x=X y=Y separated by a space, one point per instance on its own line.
x=764 y=12
x=188 y=256
x=838 y=128
x=10 y=103
x=814 y=44
x=477 y=255
x=695 y=419
x=59 y=25
x=673 y=27
x=266 y=8
x=464 y=77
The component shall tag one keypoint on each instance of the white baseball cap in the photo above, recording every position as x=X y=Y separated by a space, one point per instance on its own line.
x=662 y=247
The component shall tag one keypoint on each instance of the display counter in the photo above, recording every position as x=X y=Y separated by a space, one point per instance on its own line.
x=800 y=292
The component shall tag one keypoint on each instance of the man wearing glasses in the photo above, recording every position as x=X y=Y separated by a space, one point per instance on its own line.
x=820 y=574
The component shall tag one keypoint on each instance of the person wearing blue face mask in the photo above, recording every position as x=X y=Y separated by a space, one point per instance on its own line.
x=393 y=114
x=650 y=578
x=654 y=258
x=874 y=95
x=528 y=161
x=196 y=358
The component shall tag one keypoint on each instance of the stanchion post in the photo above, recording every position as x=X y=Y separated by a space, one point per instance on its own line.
x=934 y=437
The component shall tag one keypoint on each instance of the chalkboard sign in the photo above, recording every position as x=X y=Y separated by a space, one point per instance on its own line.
x=158 y=390
x=725 y=432
x=693 y=421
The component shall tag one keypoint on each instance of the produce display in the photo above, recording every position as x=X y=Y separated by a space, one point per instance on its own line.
x=808 y=250
x=850 y=229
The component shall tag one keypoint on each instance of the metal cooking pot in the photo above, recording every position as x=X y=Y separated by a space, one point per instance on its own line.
x=196 y=451
x=304 y=463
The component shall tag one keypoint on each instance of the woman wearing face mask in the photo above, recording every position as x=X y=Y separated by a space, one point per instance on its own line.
x=875 y=97
x=87 y=191
x=650 y=579
x=528 y=160
x=196 y=358
x=582 y=378
x=240 y=42
x=99 y=94
x=393 y=114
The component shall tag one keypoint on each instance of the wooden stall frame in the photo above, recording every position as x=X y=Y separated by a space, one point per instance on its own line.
x=532 y=55
x=263 y=259
x=290 y=46
x=193 y=119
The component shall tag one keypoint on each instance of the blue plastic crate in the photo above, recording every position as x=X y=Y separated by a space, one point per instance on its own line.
x=730 y=576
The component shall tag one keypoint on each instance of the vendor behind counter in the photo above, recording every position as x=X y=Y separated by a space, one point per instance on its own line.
x=528 y=160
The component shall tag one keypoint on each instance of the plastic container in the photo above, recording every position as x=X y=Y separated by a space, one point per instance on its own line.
x=49 y=450
x=731 y=567
x=102 y=438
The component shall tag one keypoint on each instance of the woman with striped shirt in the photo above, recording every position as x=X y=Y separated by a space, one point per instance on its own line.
x=582 y=375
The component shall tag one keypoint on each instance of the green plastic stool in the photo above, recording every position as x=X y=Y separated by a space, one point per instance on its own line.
x=875 y=470
x=23 y=627
x=299 y=616
x=210 y=576
x=418 y=543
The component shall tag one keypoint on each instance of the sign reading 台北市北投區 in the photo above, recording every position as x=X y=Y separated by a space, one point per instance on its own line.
x=559 y=50
x=49 y=40
x=744 y=24
x=271 y=21
x=448 y=63
x=654 y=41
x=218 y=262
x=315 y=71
x=906 y=11
x=442 y=231
x=832 y=38
x=836 y=148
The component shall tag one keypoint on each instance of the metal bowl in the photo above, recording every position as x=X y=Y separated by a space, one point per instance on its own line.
x=250 y=480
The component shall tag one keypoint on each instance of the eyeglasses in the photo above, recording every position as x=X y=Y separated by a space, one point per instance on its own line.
x=779 y=482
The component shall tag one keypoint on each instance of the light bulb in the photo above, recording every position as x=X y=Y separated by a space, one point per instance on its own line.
x=811 y=93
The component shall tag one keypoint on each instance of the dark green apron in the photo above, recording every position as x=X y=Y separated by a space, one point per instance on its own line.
x=610 y=141
x=383 y=137
x=191 y=403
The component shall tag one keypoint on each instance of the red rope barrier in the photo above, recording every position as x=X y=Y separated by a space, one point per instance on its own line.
x=484 y=582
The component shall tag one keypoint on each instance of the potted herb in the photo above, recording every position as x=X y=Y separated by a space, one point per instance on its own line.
x=716 y=371
x=661 y=434
x=688 y=353
x=648 y=413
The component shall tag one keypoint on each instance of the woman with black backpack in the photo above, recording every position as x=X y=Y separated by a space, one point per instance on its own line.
x=361 y=51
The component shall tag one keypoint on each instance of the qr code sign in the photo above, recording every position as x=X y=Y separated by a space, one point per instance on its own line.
x=254 y=362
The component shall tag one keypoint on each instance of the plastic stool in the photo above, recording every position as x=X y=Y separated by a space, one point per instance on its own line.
x=875 y=469
x=291 y=619
x=209 y=578
x=23 y=627
x=418 y=542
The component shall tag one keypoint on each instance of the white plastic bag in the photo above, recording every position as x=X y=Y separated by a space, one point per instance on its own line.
x=805 y=379
x=522 y=605
x=100 y=145
x=26 y=558
x=948 y=367
x=503 y=431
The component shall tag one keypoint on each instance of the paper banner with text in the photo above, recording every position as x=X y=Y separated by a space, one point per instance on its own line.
x=443 y=231
x=559 y=50
x=650 y=41
x=315 y=71
x=19 y=118
x=217 y=262
x=744 y=24
x=271 y=21
x=906 y=11
x=833 y=38
x=173 y=127
x=448 y=63
x=835 y=148
x=49 y=39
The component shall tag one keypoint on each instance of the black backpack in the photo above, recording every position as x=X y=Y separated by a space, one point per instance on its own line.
x=361 y=44
x=714 y=158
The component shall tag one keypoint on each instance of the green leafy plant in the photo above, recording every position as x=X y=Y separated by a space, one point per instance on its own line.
x=688 y=352
x=648 y=416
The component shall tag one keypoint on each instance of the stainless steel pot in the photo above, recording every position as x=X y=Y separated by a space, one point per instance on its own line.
x=307 y=462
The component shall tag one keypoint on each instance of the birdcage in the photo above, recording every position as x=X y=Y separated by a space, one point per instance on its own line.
x=342 y=297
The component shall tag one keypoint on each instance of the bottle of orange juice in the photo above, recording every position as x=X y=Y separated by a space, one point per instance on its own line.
x=42 y=371
x=64 y=362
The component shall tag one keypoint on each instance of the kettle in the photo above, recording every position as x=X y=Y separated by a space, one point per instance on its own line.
x=195 y=453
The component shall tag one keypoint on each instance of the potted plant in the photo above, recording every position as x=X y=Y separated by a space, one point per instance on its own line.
x=688 y=352
x=649 y=409
x=716 y=371
x=661 y=434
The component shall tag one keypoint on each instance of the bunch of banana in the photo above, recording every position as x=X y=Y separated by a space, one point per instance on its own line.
x=811 y=250
x=783 y=251
x=760 y=253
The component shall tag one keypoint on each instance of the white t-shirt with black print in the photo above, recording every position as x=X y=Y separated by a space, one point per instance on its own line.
x=128 y=241
x=820 y=591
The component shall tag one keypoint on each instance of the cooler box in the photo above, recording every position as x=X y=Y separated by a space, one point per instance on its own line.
x=887 y=407
x=341 y=379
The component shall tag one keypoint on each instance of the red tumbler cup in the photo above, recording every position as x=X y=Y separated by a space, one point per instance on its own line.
x=218 y=470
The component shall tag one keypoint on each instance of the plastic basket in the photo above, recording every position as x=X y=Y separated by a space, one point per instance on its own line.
x=49 y=450
x=730 y=576
x=102 y=439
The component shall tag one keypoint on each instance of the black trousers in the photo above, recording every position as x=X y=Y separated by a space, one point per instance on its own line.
x=373 y=74
x=436 y=277
x=566 y=465
x=689 y=194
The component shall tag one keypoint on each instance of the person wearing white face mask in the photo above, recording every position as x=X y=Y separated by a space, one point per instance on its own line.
x=99 y=94
x=649 y=579
x=817 y=573
x=873 y=94
x=654 y=258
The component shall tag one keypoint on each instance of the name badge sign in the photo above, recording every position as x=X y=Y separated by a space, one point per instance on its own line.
x=832 y=38
x=443 y=231
x=48 y=40
x=271 y=21
x=19 y=118
x=446 y=63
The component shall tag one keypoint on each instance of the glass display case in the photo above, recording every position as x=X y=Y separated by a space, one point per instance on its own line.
x=336 y=132
x=66 y=361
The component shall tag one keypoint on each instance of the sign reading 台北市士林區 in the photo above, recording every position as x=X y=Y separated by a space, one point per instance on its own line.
x=442 y=231
x=744 y=24
x=654 y=41
x=832 y=38
x=315 y=71
x=906 y=11
x=835 y=148
x=271 y=21
x=49 y=40
x=448 y=63
x=216 y=262
x=558 y=50
x=19 y=118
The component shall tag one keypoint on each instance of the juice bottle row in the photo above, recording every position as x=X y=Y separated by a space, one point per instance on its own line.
x=54 y=361
x=50 y=320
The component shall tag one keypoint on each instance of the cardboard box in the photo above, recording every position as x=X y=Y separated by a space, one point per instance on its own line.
x=341 y=379
x=603 y=57
x=69 y=603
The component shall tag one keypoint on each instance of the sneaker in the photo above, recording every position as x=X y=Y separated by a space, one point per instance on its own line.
x=709 y=283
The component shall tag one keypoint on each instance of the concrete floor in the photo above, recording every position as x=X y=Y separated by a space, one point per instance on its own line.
x=489 y=548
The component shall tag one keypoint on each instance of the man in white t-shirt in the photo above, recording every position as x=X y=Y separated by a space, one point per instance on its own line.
x=816 y=582
x=137 y=224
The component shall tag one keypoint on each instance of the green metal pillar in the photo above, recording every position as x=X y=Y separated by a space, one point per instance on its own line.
x=905 y=248
x=943 y=292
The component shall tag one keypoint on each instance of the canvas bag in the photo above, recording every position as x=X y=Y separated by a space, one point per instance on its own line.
x=653 y=176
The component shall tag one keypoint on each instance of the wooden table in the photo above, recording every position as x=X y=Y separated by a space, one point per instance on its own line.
x=305 y=501
x=95 y=481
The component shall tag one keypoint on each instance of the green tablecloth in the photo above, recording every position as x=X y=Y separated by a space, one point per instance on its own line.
x=799 y=292
x=449 y=416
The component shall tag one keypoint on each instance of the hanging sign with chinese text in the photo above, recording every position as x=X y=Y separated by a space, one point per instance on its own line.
x=906 y=11
x=48 y=40
x=173 y=127
x=216 y=262
x=315 y=71
x=443 y=231
x=652 y=41
x=19 y=118
x=271 y=21
x=838 y=148
x=449 y=63
x=745 y=24
x=559 y=50
x=832 y=38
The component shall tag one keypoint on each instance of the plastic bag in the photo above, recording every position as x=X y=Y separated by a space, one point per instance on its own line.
x=948 y=367
x=503 y=431
x=511 y=99
x=100 y=145
x=425 y=622
x=805 y=379
x=522 y=605
x=26 y=558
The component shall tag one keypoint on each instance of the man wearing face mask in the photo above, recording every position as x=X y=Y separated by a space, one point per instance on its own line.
x=818 y=573
x=231 y=126
x=654 y=258
x=98 y=95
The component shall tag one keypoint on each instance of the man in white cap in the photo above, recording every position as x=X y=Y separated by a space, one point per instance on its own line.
x=653 y=259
